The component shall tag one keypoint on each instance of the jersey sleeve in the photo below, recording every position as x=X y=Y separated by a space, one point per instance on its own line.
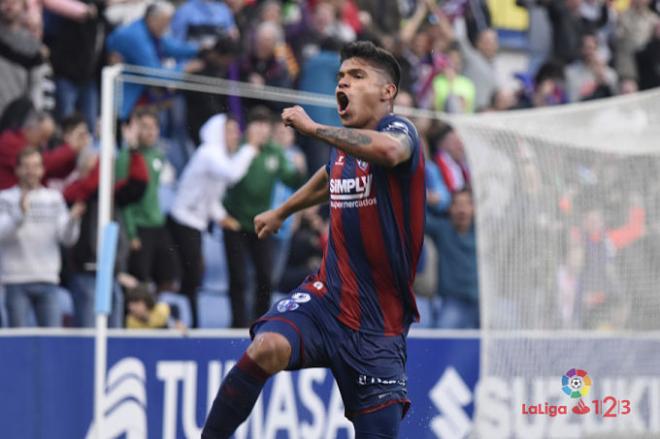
x=401 y=126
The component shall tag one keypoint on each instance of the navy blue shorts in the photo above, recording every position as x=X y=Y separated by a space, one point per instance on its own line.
x=370 y=370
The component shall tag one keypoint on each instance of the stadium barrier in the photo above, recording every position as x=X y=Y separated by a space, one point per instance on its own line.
x=161 y=384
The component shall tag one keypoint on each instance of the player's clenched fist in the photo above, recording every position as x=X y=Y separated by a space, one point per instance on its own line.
x=267 y=223
x=297 y=118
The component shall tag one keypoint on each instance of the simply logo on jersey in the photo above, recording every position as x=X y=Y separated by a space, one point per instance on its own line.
x=356 y=188
x=125 y=402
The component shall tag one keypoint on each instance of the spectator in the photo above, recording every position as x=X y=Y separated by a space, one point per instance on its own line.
x=143 y=310
x=81 y=258
x=322 y=24
x=589 y=77
x=458 y=283
x=219 y=62
x=479 y=60
x=20 y=51
x=634 y=30
x=306 y=249
x=270 y=11
x=285 y=137
x=244 y=15
x=546 y=89
x=449 y=156
x=34 y=220
x=539 y=34
x=213 y=167
x=143 y=43
x=648 y=62
x=453 y=92
x=319 y=76
x=203 y=22
x=78 y=11
x=480 y=65
x=76 y=70
x=503 y=100
x=251 y=196
x=438 y=197
x=567 y=28
x=628 y=86
x=264 y=65
x=119 y=13
x=380 y=19
x=152 y=257
x=35 y=131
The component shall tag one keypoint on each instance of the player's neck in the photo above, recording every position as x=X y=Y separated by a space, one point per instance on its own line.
x=379 y=114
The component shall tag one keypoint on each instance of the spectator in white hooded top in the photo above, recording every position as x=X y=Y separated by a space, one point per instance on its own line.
x=34 y=220
x=214 y=166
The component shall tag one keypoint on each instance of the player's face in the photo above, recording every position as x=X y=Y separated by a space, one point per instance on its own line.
x=361 y=92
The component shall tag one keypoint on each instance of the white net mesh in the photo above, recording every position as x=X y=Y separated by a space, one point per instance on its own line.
x=569 y=245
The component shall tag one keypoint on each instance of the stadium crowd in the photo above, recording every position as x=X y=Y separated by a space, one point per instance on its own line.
x=194 y=167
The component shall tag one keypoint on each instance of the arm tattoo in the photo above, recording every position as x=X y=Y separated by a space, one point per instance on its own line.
x=343 y=136
x=402 y=138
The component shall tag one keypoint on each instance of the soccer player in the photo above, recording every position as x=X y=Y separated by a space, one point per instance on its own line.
x=352 y=316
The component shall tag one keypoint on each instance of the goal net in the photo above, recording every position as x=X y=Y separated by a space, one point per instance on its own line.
x=569 y=250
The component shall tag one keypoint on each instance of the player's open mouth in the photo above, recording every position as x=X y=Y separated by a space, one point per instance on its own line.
x=342 y=103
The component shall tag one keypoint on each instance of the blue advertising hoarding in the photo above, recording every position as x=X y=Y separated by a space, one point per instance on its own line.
x=162 y=386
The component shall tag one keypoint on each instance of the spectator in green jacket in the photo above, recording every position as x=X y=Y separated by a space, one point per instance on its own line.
x=249 y=197
x=152 y=257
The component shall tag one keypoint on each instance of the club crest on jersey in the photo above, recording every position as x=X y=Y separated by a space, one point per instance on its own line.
x=301 y=297
x=362 y=164
x=287 y=305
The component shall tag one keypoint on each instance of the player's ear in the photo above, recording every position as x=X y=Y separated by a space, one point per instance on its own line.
x=388 y=92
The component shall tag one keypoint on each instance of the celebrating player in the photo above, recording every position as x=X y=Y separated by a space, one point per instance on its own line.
x=352 y=316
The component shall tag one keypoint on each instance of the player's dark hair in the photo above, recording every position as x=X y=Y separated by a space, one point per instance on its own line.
x=380 y=58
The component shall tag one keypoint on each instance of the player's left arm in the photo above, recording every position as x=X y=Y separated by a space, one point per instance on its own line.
x=383 y=148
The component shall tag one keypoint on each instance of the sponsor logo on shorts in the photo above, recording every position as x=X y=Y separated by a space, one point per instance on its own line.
x=365 y=380
x=287 y=305
x=301 y=297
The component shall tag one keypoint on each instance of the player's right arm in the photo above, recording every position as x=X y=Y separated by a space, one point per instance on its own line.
x=314 y=192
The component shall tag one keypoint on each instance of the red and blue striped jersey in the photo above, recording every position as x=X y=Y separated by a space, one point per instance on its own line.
x=377 y=217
